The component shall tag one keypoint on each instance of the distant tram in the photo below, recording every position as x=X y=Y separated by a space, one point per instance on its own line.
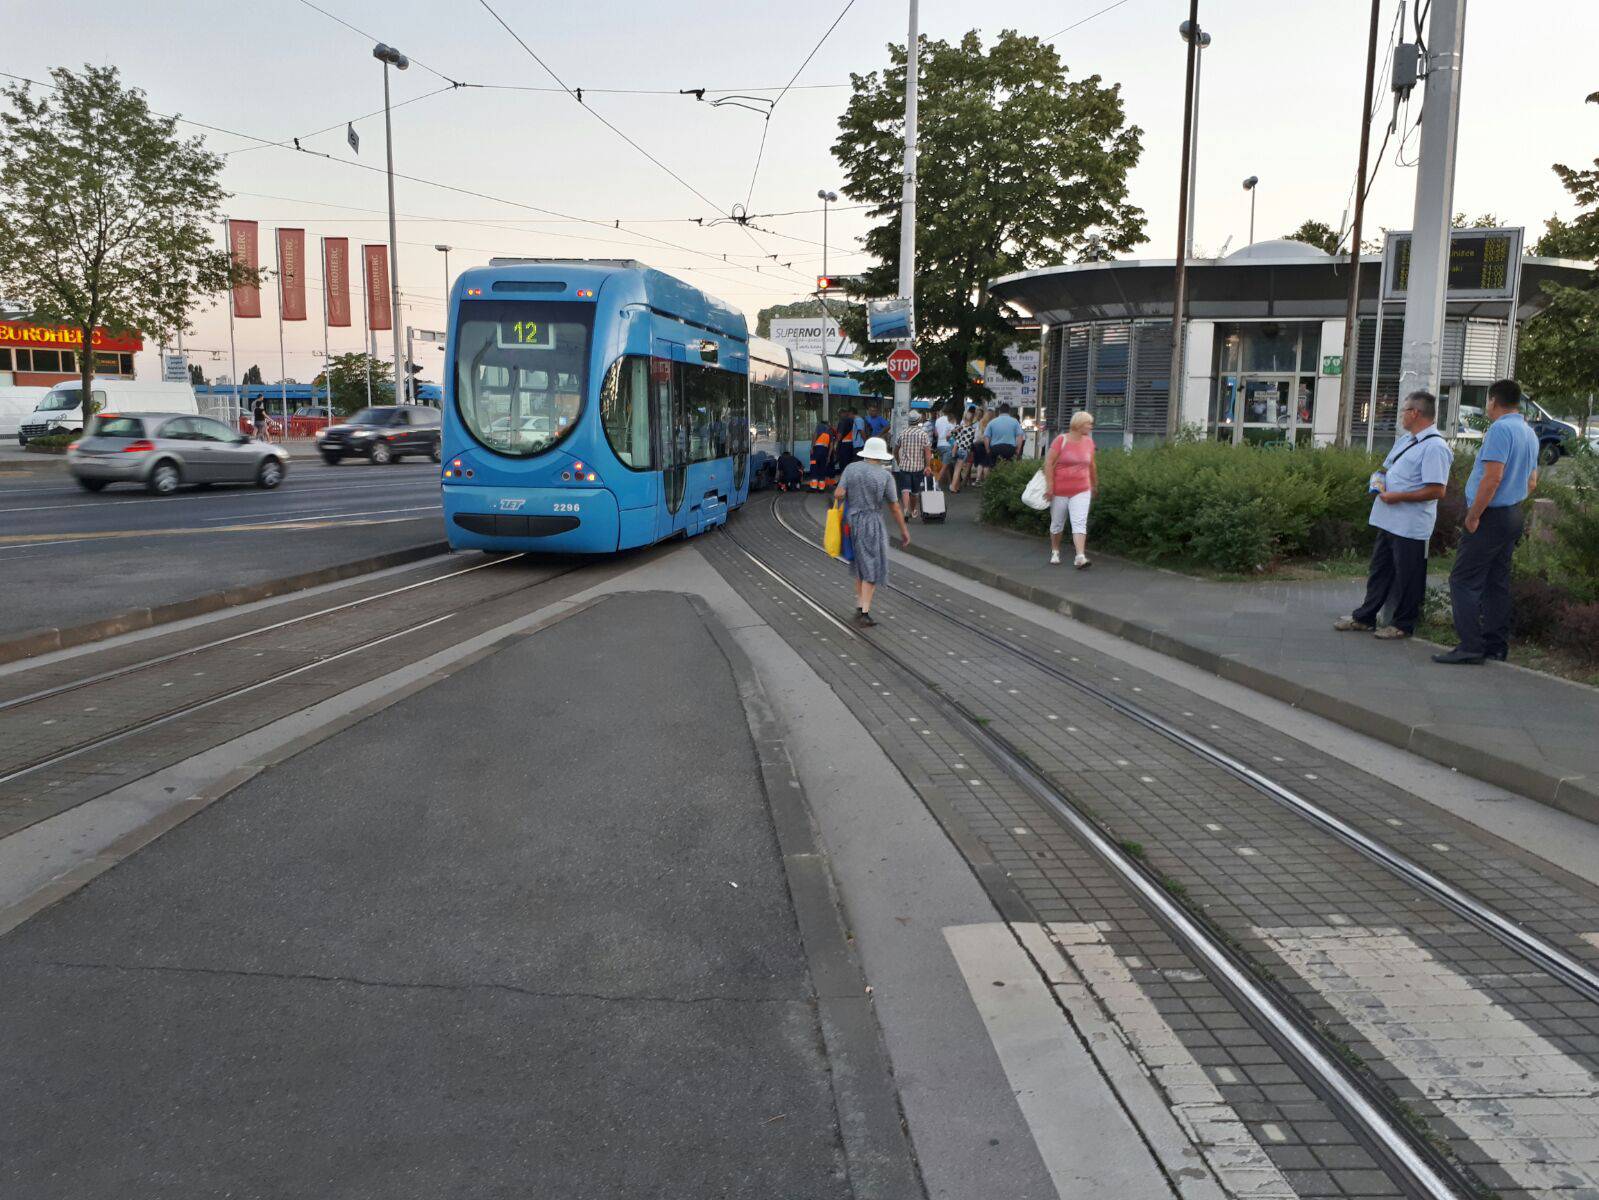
x=596 y=405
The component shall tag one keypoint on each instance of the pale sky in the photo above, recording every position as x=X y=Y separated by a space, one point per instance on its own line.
x=1280 y=99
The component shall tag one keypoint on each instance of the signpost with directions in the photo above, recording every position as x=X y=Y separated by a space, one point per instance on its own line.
x=904 y=365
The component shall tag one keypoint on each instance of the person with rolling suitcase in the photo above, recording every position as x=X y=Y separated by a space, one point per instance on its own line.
x=913 y=462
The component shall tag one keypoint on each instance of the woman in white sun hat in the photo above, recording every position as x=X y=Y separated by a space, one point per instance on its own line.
x=866 y=488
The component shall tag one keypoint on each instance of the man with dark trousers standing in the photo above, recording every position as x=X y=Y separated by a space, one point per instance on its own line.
x=1479 y=586
x=1405 y=509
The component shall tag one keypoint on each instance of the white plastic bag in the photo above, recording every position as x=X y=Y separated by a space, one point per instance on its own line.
x=1033 y=493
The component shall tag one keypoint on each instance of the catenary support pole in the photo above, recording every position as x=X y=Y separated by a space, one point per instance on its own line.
x=1174 y=390
x=1346 y=382
x=1421 y=350
x=233 y=351
x=327 y=359
x=394 y=242
x=283 y=360
x=907 y=207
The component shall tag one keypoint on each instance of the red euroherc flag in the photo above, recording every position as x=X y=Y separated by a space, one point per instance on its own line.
x=336 y=279
x=291 y=274
x=245 y=251
x=379 y=312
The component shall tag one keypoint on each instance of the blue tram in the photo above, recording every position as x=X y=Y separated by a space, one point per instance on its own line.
x=596 y=405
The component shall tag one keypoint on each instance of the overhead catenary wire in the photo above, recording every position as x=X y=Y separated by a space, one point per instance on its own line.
x=766 y=124
x=647 y=238
x=449 y=87
x=355 y=29
x=1084 y=20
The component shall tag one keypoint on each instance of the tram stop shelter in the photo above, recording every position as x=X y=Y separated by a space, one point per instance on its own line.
x=1264 y=344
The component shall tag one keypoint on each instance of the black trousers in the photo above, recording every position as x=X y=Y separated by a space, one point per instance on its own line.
x=1398 y=569
x=1479 y=585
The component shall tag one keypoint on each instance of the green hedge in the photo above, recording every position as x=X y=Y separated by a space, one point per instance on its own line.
x=1229 y=508
x=53 y=443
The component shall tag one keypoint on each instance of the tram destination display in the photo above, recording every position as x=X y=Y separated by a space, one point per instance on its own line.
x=1483 y=264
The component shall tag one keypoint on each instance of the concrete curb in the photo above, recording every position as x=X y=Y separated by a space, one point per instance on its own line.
x=1574 y=794
x=42 y=641
x=877 y=1148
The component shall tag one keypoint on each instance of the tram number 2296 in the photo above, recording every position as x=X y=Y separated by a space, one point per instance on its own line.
x=567 y=507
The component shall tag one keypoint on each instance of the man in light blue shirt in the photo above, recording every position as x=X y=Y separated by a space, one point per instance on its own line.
x=1003 y=436
x=1413 y=479
x=1479 y=585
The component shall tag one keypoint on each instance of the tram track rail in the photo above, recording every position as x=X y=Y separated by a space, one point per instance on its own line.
x=1410 y=1155
x=347 y=647
x=1535 y=949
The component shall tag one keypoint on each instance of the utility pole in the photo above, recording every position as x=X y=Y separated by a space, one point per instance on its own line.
x=1174 y=388
x=907 y=210
x=389 y=56
x=1435 y=195
x=1346 y=382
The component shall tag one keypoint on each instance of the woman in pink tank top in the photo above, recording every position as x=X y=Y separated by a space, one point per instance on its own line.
x=1071 y=479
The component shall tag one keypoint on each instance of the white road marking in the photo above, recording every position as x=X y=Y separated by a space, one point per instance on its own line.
x=1206 y=1119
x=1089 y=1147
x=1528 y=1105
x=321 y=512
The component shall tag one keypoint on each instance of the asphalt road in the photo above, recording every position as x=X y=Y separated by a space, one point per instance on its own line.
x=527 y=933
x=67 y=556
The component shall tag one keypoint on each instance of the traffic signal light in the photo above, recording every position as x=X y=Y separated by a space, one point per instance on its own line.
x=826 y=283
x=412 y=370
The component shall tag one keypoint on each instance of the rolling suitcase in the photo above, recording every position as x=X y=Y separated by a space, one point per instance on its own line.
x=932 y=501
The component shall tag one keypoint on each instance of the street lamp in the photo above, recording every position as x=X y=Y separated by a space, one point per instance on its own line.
x=1185 y=31
x=1249 y=186
x=390 y=57
x=826 y=197
x=445 y=250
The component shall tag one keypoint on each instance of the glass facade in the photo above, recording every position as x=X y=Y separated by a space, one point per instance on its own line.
x=1118 y=371
x=1264 y=387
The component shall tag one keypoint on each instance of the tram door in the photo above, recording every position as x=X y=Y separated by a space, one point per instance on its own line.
x=669 y=418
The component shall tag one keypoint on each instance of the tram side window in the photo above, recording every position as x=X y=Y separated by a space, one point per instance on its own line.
x=625 y=411
x=706 y=403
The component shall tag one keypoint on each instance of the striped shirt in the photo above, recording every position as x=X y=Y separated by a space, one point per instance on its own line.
x=913 y=449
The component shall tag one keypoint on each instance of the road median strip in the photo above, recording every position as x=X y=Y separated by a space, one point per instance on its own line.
x=43 y=641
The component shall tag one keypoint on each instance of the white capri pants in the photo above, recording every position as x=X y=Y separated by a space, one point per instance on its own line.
x=1076 y=506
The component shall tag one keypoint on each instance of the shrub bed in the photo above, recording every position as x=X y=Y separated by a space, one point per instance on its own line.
x=1212 y=505
x=54 y=443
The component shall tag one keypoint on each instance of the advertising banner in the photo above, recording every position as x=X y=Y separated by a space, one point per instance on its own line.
x=379 y=312
x=63 y=337
x=291 y=274
x=816 y=335
x=244 y=247
x=336 y=279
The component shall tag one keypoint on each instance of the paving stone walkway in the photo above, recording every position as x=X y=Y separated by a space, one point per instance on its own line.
x=1531 y=733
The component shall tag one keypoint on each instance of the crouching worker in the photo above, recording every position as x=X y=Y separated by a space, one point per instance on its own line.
x=789 y=472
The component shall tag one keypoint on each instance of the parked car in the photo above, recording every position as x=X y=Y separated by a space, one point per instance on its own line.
x=165 y=451
x=61 y=409
x=383 y=435
x=1552 y=432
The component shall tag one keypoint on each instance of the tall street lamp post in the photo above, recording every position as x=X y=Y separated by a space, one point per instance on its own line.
x=826 y=197
x=390 y=57
x=1249 y=186
x=1185 y=31
x=445 y=250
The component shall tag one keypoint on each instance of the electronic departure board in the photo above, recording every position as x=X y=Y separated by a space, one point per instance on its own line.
x=1483 y=264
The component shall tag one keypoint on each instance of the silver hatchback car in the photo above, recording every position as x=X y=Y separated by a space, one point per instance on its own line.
x=164 y=451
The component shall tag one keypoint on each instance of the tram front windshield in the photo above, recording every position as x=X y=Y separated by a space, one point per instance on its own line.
x=521 y=371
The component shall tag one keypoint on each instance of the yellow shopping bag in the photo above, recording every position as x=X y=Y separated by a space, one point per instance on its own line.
x=833 y=535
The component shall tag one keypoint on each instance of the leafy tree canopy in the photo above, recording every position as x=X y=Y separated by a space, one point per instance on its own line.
x=1558 y=352
x=252 y=374
x=107 y=218
x=349 y=375
x=1018 y=167
x=1317 y=233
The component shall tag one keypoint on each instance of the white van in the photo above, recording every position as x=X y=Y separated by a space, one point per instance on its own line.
x=15 y=404
x=61 y=410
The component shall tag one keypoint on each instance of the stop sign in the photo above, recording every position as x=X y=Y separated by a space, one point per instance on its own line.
x=903 y=365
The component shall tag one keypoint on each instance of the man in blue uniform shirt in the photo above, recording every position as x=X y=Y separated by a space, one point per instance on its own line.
x=1412 y=481
x=1479 y=585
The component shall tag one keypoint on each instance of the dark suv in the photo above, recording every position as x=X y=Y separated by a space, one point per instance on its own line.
x=383 y=435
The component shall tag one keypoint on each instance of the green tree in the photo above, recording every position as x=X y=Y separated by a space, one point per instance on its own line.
x=1486 y=221
x=799 y=308
x=252 y=374
x=1558 y=353
x=107 y=218
x=196 y=375
x=1018 y=167
x=1318 y=234
x=349 y=373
